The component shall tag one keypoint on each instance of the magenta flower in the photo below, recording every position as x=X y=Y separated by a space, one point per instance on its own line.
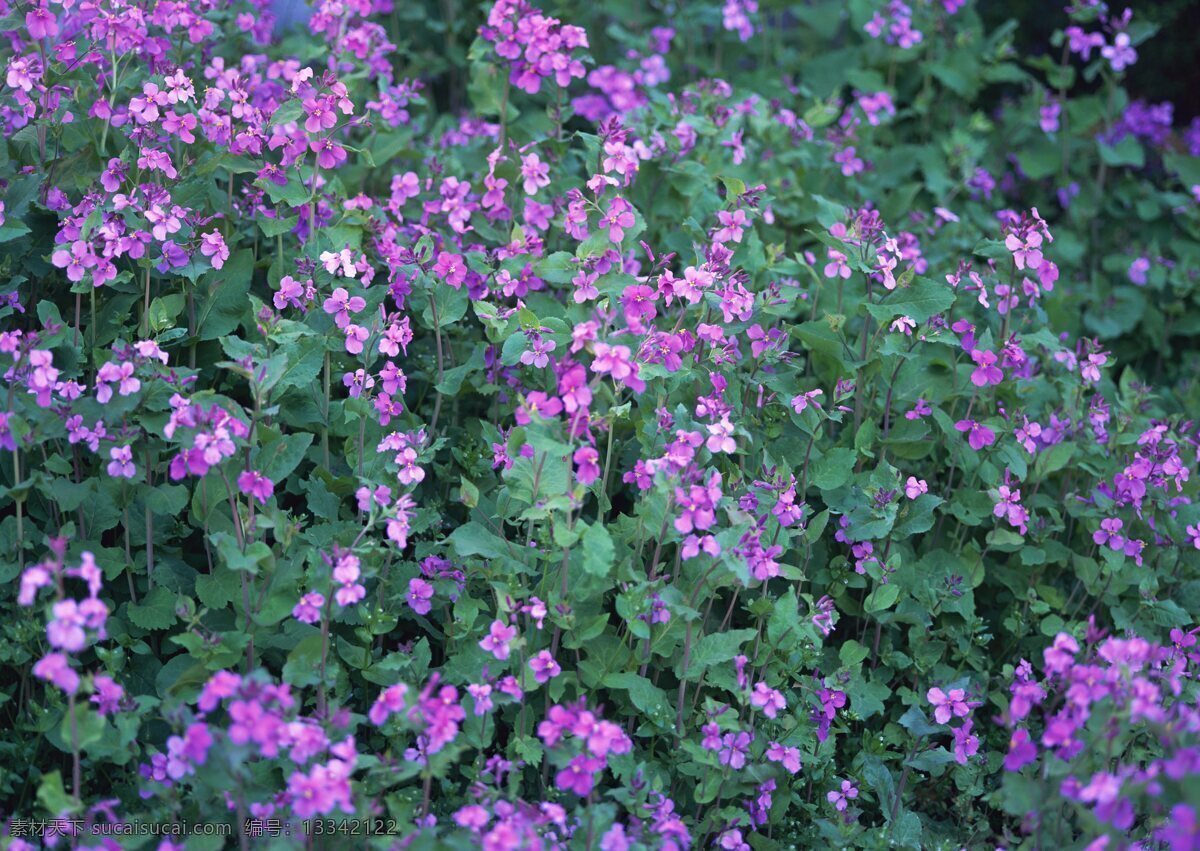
x=986 y=372
x=497 y=640
x=769 y=700
x=978 y=435
x=579 y=776
x=965 y=744
x=587 y=465
x=389 y=702
x=254 y=484
x=41 y=23
x=544 y=667
x=308 y=610
x=788 y=757
x=420 y=595
x=107 y=694
x=920 y=410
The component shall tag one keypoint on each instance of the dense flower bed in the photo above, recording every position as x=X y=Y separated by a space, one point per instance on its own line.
x=619 y=425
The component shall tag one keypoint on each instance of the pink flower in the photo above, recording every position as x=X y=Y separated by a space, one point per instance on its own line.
x=618 y=362
x=535 y=173
x=618 y=219
x=212 y=245
x=450 y=268
x=769 y=700
x=948 y=705
x=915 y=487
x=837 y=266
x=497 y=640
x=1026 y=252
x=788 y=757
x=341 y=305
x=54 y=668
x=801 y=402
x=1120 y=54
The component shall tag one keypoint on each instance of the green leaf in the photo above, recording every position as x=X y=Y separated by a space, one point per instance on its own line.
x=883 y=597
x=919 y=301
x=167 y=500
x=1128 y=152
x=217 y=590
x=476 y=539
x=834 y=468
x=154 y=611
x=852 y=653
x=224 y=301
x=278 y=458
x=1053 y=459
x=915 y=721
x=296 y=366
x=649 y=699
x=597 y=550
x=272 y=228
x=718 y=648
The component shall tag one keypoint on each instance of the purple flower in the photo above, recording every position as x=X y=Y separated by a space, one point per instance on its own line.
x=734 y=749
x=841 y=798
x=1021 y=751
x=965 y=745
x=121 y=465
